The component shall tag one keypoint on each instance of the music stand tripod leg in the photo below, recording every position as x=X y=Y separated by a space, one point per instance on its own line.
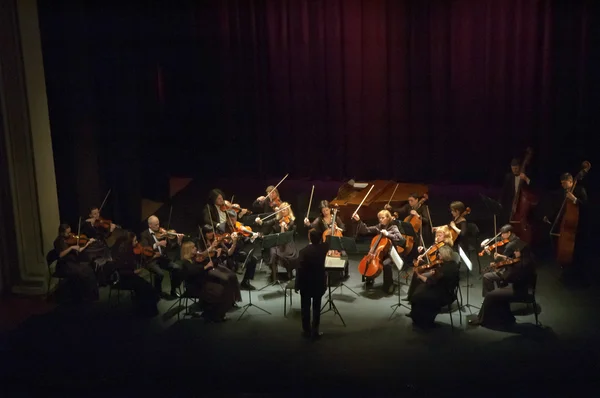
x=332 y=307
x=399 y=304
x=467 y=305
x=247 y=306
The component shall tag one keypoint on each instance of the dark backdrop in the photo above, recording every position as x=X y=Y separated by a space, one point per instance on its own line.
x=432 y=91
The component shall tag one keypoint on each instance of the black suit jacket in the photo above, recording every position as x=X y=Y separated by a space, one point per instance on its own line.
x=507 y=195
x=311 y=277
x=147 y=240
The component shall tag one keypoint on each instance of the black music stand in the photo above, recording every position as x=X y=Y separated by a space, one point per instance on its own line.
x=274 y=240
x=247 y=306
x=332 y=306
x=396 y=306
x=341 y=244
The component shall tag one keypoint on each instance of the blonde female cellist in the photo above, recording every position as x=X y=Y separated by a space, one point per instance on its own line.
x=389 y=231
x=322 y=224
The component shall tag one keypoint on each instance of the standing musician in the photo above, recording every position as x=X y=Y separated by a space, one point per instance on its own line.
x=389 y=230
x=443 y=237
x=125 y=264
x=435 y=289
x=270 y=202
x=415 y=209
x=235 y=252
x=323 y=223
x=218 y=208
x=510 y=187
x=203 y=281
x=513 y=279
x=570 y=196
x=156 y=237
x=81 y=277
x=312 y=282
x=458 y=225
x=286 y=254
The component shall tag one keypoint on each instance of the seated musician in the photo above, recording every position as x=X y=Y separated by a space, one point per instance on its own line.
x=155 y=237
x=286 y=254
x=458 y=223
x=435 y=290
x=99 y=252
x=442 y=234
x=270 y=202
x=513 y=280
x=81 y=277
x=218 y=209
x=412 y=208
x=125 y=265
x=323 y=223
x=390 y=231
x=203 y=281
x=219 y=249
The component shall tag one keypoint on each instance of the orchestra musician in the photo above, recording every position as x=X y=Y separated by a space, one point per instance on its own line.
x=311 y=281
x=512 y=280
x=412 y=207
x=435 y=289
x=125 y=265
x=81 y=277
x=442 y=235
x=155 y=237
x=323 y=223
x=389 y=230
x=204 y=281
x=458 y=223
x=270 y=202
x=217 y=247
x=218 y=208
x=286 y=254
x=99 y=252
x=510 y=187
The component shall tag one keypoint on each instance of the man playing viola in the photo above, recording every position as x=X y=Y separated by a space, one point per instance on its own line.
x=218 y=208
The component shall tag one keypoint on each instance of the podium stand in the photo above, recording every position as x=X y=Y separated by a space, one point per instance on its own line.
x=274 y=240
x=341 y=244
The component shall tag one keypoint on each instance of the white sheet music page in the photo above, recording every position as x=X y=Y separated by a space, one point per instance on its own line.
x=334 y=262
x=396 y=258
x=465 y=258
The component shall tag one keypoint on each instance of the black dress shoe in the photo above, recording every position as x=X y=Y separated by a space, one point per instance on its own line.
x=316 y=335
x=474 y=322
x=405 y=299
x=245 y=285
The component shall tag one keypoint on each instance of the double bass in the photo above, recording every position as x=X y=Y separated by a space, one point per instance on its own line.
x=523 y=202
x=567 y=234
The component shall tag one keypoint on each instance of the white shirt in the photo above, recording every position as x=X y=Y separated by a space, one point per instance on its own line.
x=155 y=241
x=222 y=215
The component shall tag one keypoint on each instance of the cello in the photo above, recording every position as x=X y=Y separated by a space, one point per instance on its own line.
x=371 y=264
x=333 y=231
x=453 y=233
x=523 y=202
x=570 y=220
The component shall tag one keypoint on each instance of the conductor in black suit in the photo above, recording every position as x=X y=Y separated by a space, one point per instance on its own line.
x=311 y=280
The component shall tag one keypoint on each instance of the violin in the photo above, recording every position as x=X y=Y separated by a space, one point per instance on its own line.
x=285 y=220
x=170 y=234
x=103 y=224
x=73 y=240
x=493 y=246
x=425 y=267
x=227 y=205
x=495 y=265
x=275 y=202
x=144 y=251
x=430 y=253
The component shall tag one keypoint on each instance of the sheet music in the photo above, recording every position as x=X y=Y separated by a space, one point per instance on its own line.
x=465 y=258
x=396 y=258
x=334 y=262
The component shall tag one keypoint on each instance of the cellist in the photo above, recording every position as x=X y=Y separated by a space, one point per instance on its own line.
x=458 y=225
x=323 y=222
x=415 y=208
x=389 y=230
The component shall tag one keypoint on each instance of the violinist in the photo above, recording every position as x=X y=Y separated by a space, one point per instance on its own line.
x=323 y=223
x=458 y=223
x=80 y=276
x=414 y=208
x=270 y=202
x=157 y=238
x=510 y=187
x=286 y=254
x=229 y=252
x=513 y=280
x=443 y=237
x=203 y=281
x=125 y=264
x=389 y=230
x=509 y=273
x=98 y=252
x=218 y=208
x=435 y=289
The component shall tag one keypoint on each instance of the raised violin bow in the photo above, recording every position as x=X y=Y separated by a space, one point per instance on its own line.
x=211 y=220
x=310 y=201
x=104 y=201
x=170 y=214
x=393 y=193
x=279 y=183
x=363 y=201
x=78 y=230
x=275 y=212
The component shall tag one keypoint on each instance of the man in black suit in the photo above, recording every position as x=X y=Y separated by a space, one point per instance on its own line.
x=311 y=281
x=161 y=262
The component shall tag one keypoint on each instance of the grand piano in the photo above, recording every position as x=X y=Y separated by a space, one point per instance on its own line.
x=352 y=193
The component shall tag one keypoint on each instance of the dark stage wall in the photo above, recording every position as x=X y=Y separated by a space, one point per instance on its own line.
x=428 y=91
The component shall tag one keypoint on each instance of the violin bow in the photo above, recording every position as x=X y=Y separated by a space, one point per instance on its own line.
x=205 y=243
x=363 y=201
x=279 y=183
x=310 y=201
x=78 y=231
x=393 y=193
x=104 y=201
x=211 y=220
x=170 y=214
x=275 y=212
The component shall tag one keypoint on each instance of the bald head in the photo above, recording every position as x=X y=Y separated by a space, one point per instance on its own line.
x=153 y=223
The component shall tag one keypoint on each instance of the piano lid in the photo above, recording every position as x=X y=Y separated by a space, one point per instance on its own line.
x=352 y=193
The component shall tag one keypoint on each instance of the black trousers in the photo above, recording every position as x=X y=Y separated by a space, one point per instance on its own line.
x=239 y=258
x=81 y=280
x=145 y=298
x=306 y=300
x=157 y=266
